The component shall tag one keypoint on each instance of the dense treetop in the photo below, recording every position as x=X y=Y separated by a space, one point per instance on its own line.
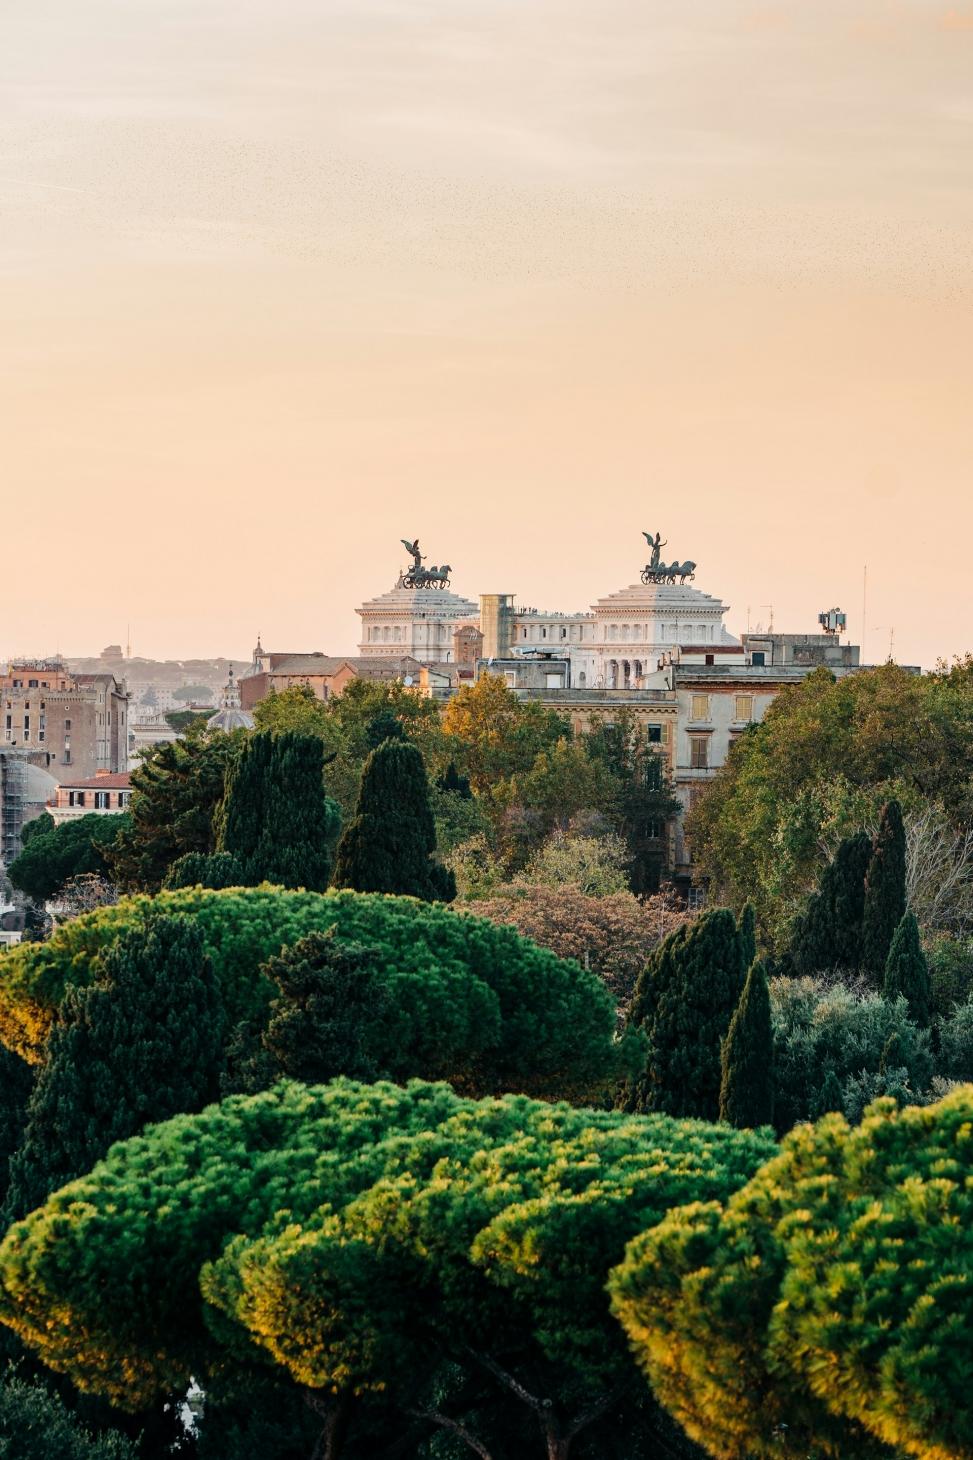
x=825 y=1307
x=56 y=853
x=402 y=1226
x=826 y=755
x=466 y=992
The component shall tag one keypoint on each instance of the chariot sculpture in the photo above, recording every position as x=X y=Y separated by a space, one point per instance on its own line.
x=656 y=571
x=419 y=577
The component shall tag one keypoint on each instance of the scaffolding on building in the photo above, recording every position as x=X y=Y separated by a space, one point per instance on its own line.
x=13 y=796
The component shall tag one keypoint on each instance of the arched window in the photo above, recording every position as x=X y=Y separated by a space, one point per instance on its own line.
x=582 y=680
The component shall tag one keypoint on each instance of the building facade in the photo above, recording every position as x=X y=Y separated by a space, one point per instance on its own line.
x=79 y=721
x=104 y=794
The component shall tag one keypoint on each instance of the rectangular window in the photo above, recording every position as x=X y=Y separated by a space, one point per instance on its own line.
x=67 y=724
x=26 y=727
x=10 y=719
x=101 y=800
x=700 y=707
x=32 y=684
x=699 y=752
x=758 y=658
x=653 y=734
x=744 y=708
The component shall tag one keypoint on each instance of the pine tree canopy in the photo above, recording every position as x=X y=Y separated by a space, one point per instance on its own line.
x=141 y=1044
x=472 y=1001
x=785 y=1321
x=435 y=1226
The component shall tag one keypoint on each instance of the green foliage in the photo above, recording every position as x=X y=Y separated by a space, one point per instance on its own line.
x=495 y=735
x=36 y=1425
x=785 y=1321
x=452 y=782
x=760 y=830
x=335 y=1014
x=823 y=1029
x=143 y=1043
x=950 y=972
x=37 y=826
x=747 y=1057
x=562 y=782
x=828 y=934
x=204 y=869
x=595 y=865
x=365 y=1239
x=956 y=1043
x=52 y=856
x=644 y=802
x=907 y=973
x=885 y=902
x=384 y=726
x=489 y=1004
x=684 y=1001
x=183 y=720
x=747 y=930
x=390 y=844
x=275 y=818
x=175 y=792
x=16 y=1083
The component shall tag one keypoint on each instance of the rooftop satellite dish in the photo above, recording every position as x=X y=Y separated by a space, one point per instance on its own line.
x=408 y=680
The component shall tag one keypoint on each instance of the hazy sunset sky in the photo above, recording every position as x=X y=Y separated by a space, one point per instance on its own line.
x=281 y=283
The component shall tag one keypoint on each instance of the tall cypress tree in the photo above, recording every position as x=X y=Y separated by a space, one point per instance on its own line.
x=885 y=902
x=846 y=897
x=276 y=819
x=747 y=928
x=747 y=1057
x=390 y=843
x=684 y=1000
x=907 y=972
x=142 y=1044
x=829 y=933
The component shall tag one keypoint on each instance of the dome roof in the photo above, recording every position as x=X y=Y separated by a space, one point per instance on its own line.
x=230 y=716
x=662 y=598
x=230 y=719
x=421 y=602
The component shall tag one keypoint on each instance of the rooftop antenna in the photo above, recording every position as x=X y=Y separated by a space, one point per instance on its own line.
x=864 y=611
x=128 y=641
x=770 y=628
x=891 y=629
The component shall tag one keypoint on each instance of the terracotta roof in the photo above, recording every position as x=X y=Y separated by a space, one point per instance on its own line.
x=117 y=781
x=381 y=667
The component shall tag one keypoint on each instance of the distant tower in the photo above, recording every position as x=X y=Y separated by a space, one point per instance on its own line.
x=258 y=656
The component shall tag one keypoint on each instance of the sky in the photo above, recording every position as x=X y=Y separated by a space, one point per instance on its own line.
x=281 y=284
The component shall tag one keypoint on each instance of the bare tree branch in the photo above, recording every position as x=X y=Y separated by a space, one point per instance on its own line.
x=454 y=1427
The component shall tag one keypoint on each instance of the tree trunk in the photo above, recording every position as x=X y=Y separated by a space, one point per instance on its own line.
x=334 y=1411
